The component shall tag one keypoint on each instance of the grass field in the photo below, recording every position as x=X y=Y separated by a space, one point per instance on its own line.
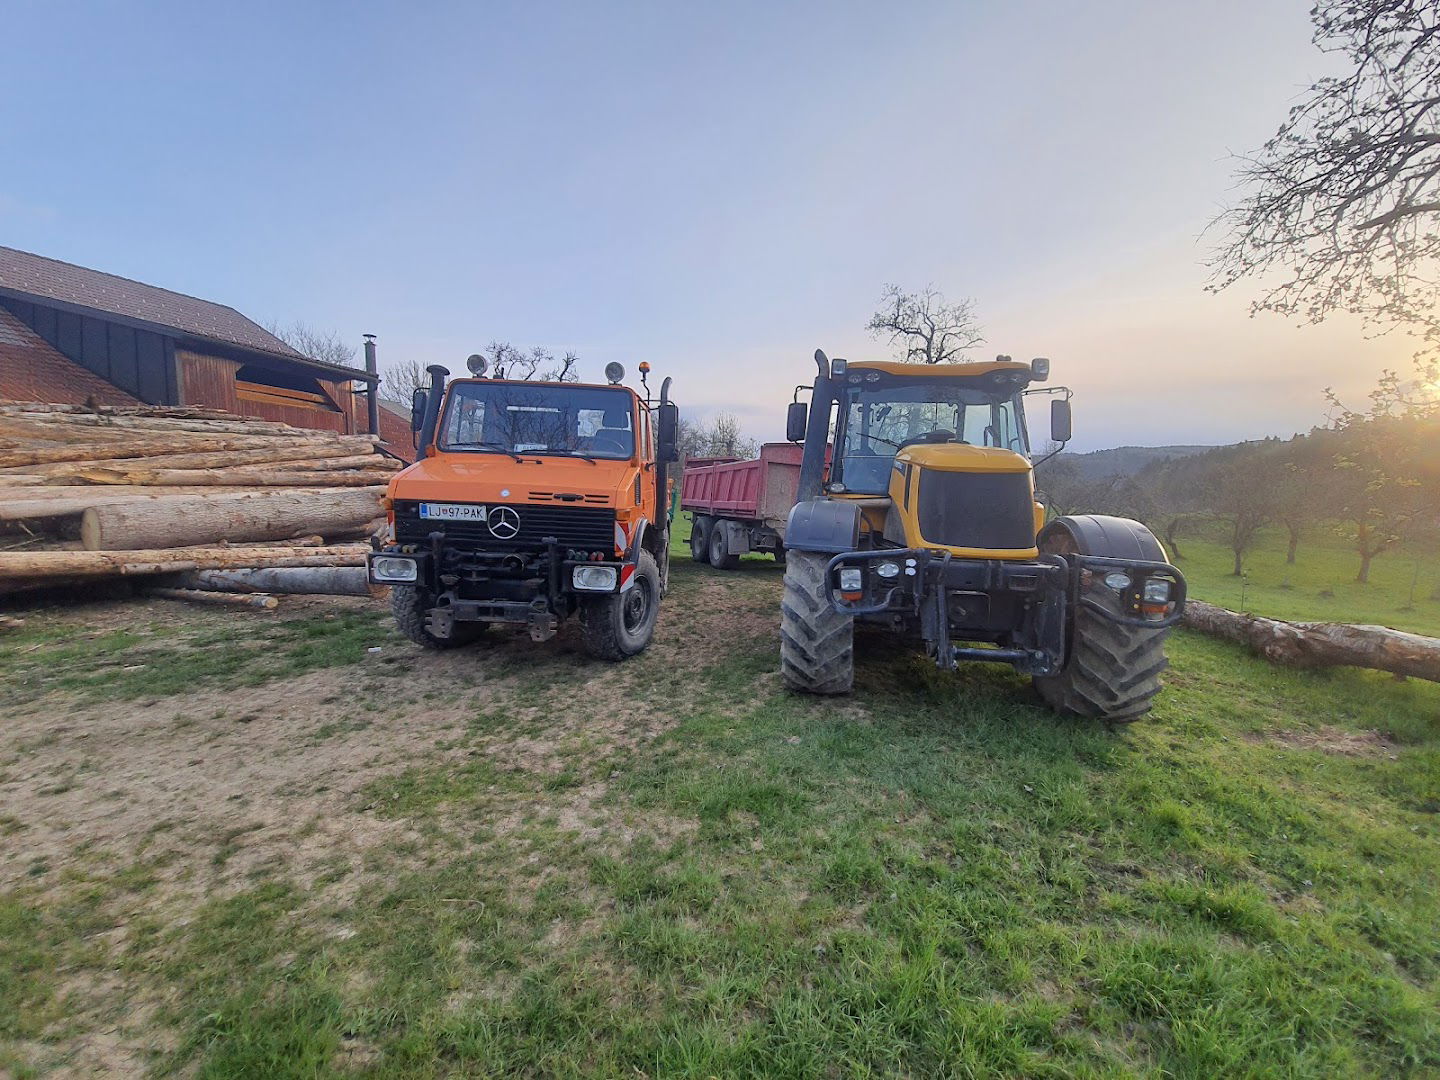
x=279 y=854
x=1403 y=591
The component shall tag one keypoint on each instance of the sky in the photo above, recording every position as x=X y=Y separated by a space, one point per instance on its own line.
x=716 y=189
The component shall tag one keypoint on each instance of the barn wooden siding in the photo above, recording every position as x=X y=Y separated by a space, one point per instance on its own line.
x=210 y=381
x=137 y=361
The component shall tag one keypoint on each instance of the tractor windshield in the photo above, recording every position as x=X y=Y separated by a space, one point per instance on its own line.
x=877 y=420
x=513 y=418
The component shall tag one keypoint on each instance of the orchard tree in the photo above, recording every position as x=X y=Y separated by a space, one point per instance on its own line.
x=924 y=328
x=1240 y=495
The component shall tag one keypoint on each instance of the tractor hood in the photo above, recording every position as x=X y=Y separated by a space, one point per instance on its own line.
x=487 y=478
x=962 y=457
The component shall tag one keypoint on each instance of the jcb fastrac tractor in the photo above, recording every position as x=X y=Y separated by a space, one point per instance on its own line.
x=926 y=522
x=531 y=502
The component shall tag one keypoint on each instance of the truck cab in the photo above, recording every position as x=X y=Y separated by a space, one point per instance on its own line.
x=529 y=503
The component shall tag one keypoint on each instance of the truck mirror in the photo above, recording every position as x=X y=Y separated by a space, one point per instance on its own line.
x=669 y=422
x=417 y=410
x=795 y=419
x=1060 y=421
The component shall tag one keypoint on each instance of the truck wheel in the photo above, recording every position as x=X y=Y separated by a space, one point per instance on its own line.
x=1113 y=670
x=817 y=643
x=720 y=557
x=621 y=624
x=700 y=538
x=410 y=606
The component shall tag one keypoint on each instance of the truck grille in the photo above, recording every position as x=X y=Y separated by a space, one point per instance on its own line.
x=977 y=510
x=589 y=527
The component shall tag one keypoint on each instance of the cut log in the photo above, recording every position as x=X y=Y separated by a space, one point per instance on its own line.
x=302 y=580
x=32 y=567
x=1314 y=644
x=25 y=504
x=241 y=477
x=207 y=519
x=347 y=449
x=195 y=596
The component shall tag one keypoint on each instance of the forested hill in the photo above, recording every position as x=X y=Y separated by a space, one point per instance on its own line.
x=1126 y=460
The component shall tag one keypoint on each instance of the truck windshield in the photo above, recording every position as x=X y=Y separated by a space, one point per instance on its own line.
x=877 y=421
x=512 y=418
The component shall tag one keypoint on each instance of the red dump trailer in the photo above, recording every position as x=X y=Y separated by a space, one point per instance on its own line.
x=740 y=506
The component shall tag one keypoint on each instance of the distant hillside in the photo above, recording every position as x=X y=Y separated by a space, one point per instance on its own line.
x=1126 y=460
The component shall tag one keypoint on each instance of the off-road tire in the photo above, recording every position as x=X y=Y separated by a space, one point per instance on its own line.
x=409 y=604
x=613 y=632
x=817 y=643
x=1113 y=671
x=720 y=557
x=700 y=538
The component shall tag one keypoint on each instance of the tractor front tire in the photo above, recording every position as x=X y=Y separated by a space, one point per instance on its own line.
x=411 y=606
x=619 y=625
x=700 y=538
x=1113 y=671
x=817 y=643
x=720 y=557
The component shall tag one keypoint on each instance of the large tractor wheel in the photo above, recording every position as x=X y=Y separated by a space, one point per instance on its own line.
x=720 y=557
x=620 y=625
x=1112 y=672
x=700 y=538
x=411 y=607
x=817 y=643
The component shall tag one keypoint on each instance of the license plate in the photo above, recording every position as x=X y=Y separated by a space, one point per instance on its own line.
x=452 y=511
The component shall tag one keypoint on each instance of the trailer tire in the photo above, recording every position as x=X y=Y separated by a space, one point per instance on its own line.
x=817 y=643
x=619 y=625
x=1113 y=669
x=410 y=606
x=700 y=538
x=720 y=557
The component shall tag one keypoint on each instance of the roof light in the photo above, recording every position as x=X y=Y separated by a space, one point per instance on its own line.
x=614 y=372
x=477 y=365
x=1040 y=368
x=838 y=368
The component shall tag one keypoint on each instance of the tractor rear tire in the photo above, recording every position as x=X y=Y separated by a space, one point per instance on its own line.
x=410 y=606
x=817 y=643
x=619 y=625
x=720 y=557
x=700 y=538
x=1113 y=671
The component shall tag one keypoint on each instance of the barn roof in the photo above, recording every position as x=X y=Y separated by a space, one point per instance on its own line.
x=31 y=370
x=35 y=277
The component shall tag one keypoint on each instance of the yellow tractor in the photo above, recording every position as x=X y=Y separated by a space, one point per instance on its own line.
x=922 y=518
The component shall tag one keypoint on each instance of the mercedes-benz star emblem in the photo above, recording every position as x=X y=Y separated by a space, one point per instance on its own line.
x=504 y=523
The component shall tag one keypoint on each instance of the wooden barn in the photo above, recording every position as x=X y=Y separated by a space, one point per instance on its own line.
x=73 y=335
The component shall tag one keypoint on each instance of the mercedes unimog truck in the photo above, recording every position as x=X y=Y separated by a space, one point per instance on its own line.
x=531 y=502
x=925 y=521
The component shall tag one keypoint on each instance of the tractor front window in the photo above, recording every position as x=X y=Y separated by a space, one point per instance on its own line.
x=877 y=420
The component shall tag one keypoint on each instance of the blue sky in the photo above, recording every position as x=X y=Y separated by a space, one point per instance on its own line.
x=718 y=190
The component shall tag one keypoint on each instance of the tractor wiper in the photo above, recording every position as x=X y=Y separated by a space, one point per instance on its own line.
x=570 y=453
x=499 y=448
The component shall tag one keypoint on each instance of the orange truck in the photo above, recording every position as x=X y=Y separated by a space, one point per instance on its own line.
x=529 y=503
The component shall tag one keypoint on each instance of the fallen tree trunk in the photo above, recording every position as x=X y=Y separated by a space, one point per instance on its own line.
x=206 y=519
x=241 y=477
x=1312 y=644
x=311 y=451
x=192 y=596
x=290 y=580
x=33 y=567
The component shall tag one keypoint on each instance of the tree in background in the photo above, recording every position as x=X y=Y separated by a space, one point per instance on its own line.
x=403 y=377
x=1298 y=489
x=722 y=437
x=924 y=328
x=326 y=346
x=1241 y=496
x=1344 y=201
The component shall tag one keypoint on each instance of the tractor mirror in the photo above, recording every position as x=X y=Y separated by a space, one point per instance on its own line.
x=1060 y=421
x=668 y=414
x=418 y=400
x=795 y=419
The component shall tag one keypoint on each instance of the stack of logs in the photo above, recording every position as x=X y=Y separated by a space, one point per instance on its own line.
x=174 y=495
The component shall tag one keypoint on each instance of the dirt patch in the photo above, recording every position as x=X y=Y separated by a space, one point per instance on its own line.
x=1328 y=740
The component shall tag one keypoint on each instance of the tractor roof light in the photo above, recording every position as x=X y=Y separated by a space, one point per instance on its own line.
x=1040 y=368
x=478 y=365
x=615 y=371
x=838 y=369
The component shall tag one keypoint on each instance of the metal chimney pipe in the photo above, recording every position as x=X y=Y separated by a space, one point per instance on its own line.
x=372 y=394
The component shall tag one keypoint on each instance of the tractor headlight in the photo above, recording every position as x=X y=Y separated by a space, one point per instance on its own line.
x=394 y=568
x=1117 y=580
x=888 y=570
x=1156 y=591
x=595 y=578
x=851 y=579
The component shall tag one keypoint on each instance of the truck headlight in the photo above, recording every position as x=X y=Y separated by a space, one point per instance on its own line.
x=851 y=579
x=595 y=578
x=1156 y=591
x=888 y=570
x=394 y=568
x=1117 y=580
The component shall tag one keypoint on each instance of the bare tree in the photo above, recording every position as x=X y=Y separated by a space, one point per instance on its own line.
x=924 y=328
x=1241 y=497
x=403 y=377
x=1344 y=201
x=510 y=362
x=722 y=437
x=323 y=345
